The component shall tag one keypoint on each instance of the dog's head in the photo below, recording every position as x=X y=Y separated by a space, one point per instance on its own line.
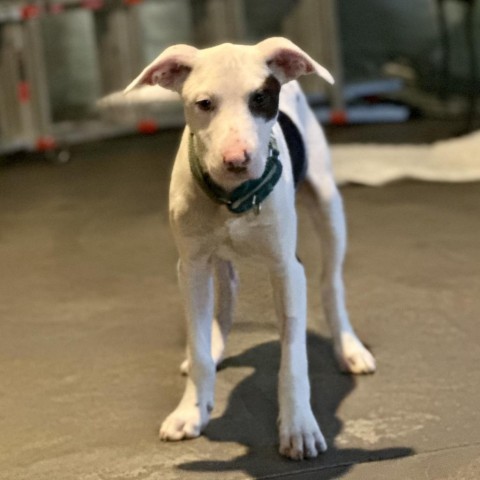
x=231 y=94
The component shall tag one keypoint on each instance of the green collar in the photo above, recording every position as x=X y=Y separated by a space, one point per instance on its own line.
x=250 y=194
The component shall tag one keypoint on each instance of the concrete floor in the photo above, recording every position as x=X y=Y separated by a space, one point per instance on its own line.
x=91 y=332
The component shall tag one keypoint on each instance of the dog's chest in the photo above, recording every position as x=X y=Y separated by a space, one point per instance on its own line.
x=247 y=235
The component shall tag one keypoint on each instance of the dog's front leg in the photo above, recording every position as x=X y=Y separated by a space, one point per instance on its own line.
x=226 y=289
x=193 y=411
x=300 y=436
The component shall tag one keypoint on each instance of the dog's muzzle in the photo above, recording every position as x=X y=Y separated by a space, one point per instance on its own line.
x=248 y=195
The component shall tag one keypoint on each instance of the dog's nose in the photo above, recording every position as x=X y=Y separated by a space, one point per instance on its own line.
x=236 y=159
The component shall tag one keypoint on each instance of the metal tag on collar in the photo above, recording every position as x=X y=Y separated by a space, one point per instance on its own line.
x=272 y=147
x=257 y=207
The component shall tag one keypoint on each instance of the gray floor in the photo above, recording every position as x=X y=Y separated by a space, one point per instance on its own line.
x=91 y=332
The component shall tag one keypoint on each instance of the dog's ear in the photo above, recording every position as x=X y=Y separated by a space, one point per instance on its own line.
x=169 y=70
x=288 y=62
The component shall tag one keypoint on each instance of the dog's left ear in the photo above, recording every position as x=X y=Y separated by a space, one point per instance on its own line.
x=169 y=70
x=288 y=62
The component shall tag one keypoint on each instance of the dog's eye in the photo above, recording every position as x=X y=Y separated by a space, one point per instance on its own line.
x=259 y=98
x=205 y=105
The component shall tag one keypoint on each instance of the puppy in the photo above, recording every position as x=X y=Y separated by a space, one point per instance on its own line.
x=249 y=135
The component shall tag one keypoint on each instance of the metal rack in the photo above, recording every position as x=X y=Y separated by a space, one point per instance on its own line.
x=26 y=120
x=25 y=109
x=24 y=114
x=313 y=26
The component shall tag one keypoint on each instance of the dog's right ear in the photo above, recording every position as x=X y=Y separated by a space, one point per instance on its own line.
x=288 y=62
x=169 y=70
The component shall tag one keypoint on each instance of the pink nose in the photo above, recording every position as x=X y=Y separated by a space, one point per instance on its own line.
x=236 y=158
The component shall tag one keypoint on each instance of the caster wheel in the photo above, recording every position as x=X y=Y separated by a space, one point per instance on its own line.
x=60 y=156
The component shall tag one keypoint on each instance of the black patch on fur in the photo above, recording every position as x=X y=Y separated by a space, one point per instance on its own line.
x=296 y=147
x=264 y=101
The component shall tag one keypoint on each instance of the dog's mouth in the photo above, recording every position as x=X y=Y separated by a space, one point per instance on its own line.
x=231 y=176
x=237 y=169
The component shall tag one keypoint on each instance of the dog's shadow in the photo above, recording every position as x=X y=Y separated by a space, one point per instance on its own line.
x=251 y=413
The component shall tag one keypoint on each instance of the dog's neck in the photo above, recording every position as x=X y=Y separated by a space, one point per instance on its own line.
x=249 y=194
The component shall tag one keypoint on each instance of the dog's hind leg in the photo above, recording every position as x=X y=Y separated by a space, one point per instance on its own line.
x=226 y=290
x=227 y=285
x=327 y=212
x=326 y=208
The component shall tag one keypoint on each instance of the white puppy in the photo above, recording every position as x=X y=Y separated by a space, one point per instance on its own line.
x=233 y=193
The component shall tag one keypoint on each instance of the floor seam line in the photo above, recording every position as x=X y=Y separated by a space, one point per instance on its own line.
x=349 y=464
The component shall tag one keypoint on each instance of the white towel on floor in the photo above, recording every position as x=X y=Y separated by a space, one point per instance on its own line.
x=453 y=160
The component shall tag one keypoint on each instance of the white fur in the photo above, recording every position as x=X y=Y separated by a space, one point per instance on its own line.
x=209 y=237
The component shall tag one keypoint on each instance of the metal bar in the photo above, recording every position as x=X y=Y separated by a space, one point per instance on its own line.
x=314 y=26
x=446 y=53
x=19 y=105
x=221 y=21
x=472 y=56
x=36 y=77
x=119 y=50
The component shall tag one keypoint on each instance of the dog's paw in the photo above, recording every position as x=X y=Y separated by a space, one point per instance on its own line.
x=301 y=437
x=184 y=423
x=184 y=367
x=353 y=357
